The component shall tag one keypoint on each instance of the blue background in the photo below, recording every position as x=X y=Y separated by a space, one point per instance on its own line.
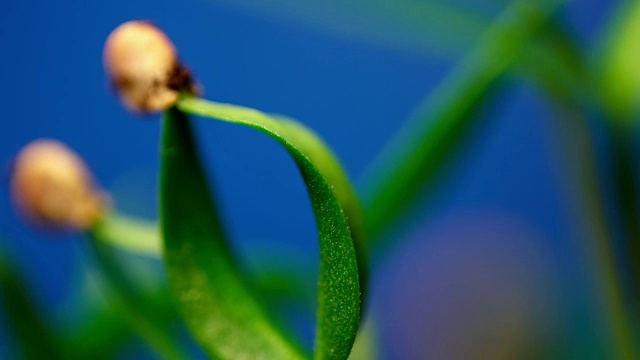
x=354 y=95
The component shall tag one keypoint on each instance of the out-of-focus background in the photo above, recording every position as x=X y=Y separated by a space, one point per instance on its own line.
x=493 y=265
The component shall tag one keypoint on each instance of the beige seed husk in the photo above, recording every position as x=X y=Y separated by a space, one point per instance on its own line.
x=52 y=187
x=142 y=62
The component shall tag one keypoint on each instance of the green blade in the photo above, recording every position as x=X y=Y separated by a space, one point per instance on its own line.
x=338 y=220
x=221 y=312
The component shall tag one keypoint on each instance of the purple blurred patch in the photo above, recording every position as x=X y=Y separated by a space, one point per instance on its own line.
x=473 y=286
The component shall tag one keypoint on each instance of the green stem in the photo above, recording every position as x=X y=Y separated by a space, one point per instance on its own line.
x=581 y=157
x=130 y=234
x=609 y=88
x=567 y=81
x=418 y=154
x=626 y=196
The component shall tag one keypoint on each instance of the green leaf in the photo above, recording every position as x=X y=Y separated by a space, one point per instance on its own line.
x=427 y=144
x=220 y=310
x=216 y=303
x=619 y=73
x=35 y=338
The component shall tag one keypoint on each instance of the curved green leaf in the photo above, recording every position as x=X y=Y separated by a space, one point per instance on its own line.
x=223 y=314
x=217 y=305
x=319 y=167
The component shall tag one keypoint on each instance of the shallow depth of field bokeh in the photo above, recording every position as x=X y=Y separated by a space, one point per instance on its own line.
x=492 y=264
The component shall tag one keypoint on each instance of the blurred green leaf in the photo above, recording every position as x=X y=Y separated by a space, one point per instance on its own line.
x=103 y=332
x=618 y=77
x=554 y=62
x=560 y=68
x=419 y=153
x=101 y=335
x=122 y=292
x=576 y=142
x=619 y=73
x=283 y=278
x=35 y=338
x=339 y=226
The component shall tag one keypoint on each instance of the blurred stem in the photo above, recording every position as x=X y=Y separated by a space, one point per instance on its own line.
x=418 y=153
x=565 y=78
x=580 y=157
x=130 y=234
x=626 y=195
